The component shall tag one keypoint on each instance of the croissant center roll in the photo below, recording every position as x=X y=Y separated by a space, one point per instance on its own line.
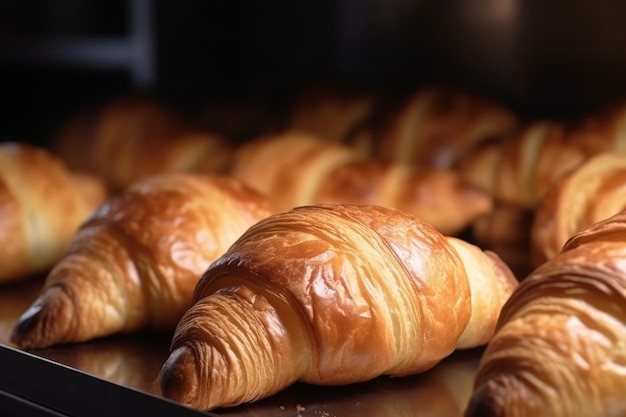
x=330 y=294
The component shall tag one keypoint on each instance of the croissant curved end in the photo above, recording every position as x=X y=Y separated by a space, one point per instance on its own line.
x=47 y=321
x=483 y=403
x=177 y=383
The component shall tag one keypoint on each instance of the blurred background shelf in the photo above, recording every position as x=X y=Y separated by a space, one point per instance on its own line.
x=131 y=52
x=555 y=59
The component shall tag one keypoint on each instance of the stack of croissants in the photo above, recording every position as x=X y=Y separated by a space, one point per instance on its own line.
x=351 y=240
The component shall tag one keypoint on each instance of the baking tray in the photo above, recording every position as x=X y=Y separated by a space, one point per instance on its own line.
x=117 y=376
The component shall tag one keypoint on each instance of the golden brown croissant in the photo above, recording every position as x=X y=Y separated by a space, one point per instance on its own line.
x=135 y=262
x=521 y=169
x=295 y=169
x=436 y=126
x=42 y=204
x=131 y=138
x=593 y=192
x=289 y=166
x=518 y=171
x=331 y=294
x=559 y=346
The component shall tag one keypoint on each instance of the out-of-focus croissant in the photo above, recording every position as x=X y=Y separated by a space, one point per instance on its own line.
x=559 y=346
x=519 y=170
x=331 y=113
x=131 y=138
x=42 y=204
x=593 y=192
x=436 y=126
x=135 y=262
x=296 y=169
x=517 y=173
x=331 y=294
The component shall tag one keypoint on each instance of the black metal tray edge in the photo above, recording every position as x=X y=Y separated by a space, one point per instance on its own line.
x=36 y=386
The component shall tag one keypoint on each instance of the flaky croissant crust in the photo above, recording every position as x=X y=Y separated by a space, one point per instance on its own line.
x=134 y=264
x=271 y=255
x=559 y=348
x=325 y=294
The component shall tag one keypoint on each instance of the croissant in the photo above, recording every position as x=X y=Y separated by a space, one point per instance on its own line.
x=517 y=173
x=559 y=345
x=331 y=113
x=32 y=238
x=295 y=168
x=436 y=126
x=520 y=170
x=593 y=192
x=132 y=137
x=331 y=294
x=134 y=264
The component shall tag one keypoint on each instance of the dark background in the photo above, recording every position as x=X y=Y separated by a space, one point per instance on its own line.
x=543 y=59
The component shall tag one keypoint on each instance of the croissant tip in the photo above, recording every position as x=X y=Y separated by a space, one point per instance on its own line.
x=45 y=322
x=482 y=403
x=178 y=378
